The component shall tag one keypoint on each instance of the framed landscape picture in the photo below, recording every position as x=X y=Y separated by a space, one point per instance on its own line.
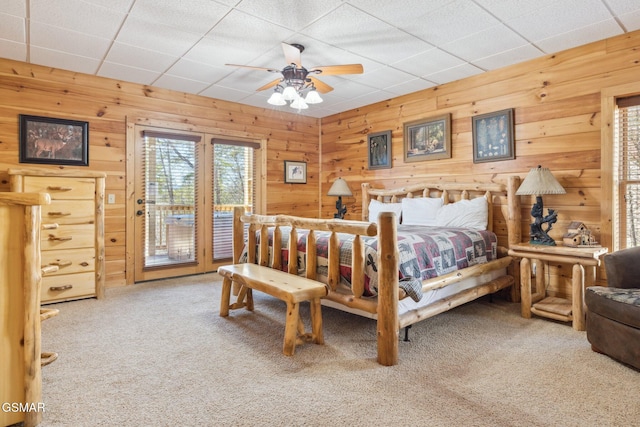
x=47 y=140
x=493 y=137
x=295 y=172
x=379 y=148
x=428 y=139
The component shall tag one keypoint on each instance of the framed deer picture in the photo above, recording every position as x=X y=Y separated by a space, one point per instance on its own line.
x=47 y=140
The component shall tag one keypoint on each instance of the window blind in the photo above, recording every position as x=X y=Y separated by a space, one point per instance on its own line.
x=234 y=184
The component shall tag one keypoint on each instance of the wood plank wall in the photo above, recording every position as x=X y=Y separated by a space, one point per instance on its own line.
x=106 y=104
x=557 y=116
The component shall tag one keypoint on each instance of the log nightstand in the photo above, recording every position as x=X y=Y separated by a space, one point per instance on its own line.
x=584 y=261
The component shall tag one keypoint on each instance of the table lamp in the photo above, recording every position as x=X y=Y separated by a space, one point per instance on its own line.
x=340 y=188
x=540 y=181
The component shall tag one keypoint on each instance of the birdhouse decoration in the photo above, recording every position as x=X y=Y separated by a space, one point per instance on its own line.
x=578 y=235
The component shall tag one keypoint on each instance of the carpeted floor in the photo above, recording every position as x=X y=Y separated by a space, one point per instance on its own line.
x=158 y=354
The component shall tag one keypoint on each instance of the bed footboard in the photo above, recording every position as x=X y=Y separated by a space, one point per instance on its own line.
x=386 y=305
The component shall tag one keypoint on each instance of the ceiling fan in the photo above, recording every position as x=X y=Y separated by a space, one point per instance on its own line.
x=296 y=79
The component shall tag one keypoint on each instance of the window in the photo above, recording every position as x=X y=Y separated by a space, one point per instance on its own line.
x=626 y=169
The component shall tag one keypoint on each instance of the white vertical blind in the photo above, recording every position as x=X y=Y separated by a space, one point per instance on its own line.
x=169 y=204
x=627 y=179
x=234 y=184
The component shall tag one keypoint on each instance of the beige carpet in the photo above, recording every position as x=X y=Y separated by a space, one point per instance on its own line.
x=158 y=354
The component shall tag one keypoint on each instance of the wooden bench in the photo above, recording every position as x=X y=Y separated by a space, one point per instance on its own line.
x=287 y=287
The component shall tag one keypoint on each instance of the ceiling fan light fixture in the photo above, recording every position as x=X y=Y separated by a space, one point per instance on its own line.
x=299 y=104
x=276 y=98
x=289 y=93
x=313 y=97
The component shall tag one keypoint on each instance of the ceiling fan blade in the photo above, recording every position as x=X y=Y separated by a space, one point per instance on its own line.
x=321 y=86
x=268 y=85
x=291 y=54
x=272 y=70
x=331 y=70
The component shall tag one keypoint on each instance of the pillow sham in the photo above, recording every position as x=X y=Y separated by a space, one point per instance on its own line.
x=472 y=214
x=375 y=207
x=420 y=210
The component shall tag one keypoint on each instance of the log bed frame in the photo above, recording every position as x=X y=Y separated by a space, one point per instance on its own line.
x=384 y=308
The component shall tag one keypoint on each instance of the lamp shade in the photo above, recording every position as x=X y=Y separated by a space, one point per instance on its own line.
x=313 y=97
x=540 y=181
x=339 y=188
x=276 y=99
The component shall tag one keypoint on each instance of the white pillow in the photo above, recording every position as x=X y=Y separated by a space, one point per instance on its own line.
x=472 y=214
x=420 y=210
x=375 y=207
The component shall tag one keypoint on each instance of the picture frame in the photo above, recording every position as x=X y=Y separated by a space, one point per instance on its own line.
x=295 y=172
x=493 y=136
x=48 y=140
x=379 y=150
x=428 y=139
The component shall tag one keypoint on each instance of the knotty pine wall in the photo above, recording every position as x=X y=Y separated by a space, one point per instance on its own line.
x=106 y=104
x=557 y=103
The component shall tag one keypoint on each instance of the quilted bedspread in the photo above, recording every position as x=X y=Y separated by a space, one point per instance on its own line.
x=425 y=252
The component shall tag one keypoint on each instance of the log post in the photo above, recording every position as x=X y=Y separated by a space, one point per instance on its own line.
x=388 y=323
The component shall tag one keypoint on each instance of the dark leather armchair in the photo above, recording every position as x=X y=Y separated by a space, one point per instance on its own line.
x=613 y=312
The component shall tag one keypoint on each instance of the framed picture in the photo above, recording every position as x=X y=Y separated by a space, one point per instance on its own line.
x=428 y=139
x=379 y=148
x=295 y=172
x=493 y=136
x=53 y=141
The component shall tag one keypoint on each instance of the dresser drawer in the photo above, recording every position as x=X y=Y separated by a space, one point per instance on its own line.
x=68 y=237
x=69 y=212
x=70 y=261
x=68 y=286
x=61 y=188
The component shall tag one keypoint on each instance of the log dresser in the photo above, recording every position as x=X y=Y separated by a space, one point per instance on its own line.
x=20 y=316
x=72 y=236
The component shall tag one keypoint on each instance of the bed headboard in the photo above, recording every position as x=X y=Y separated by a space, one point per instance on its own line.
x=500 y=196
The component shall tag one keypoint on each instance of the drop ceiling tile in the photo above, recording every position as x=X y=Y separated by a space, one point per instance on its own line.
x=450 y=22
x=128 y=74
x=62 y=60
x=366 y=36
x=122 y=6
x=428 y=62
x=13 y=50
x=410 y=86
x=621 y=7
x=199 y=17
x=255 y=34
x=488 y=42
x=558 y=18
x=383 y=77
x=227 y=93
x=631 y=20
x=180 y=84
x=12 y=28
x=14 y=7
x=453 y=74
x=140 y=58
x=505 y=10
x=194 y=70
x=399 y=12
x=584 y=35
x=289 y=13
x=86 y=18
x=508 y=57
x=154 y=36
x=65 y=40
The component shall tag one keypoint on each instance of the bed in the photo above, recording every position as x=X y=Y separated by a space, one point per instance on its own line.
x=376 y=267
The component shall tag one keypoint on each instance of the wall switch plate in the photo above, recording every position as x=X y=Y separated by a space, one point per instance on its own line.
x=111 y=199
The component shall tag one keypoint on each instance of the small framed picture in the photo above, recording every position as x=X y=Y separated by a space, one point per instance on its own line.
x=428 y=139
x=493 y=136
x=53 y=141
x=379 y=148
x=295 y=172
